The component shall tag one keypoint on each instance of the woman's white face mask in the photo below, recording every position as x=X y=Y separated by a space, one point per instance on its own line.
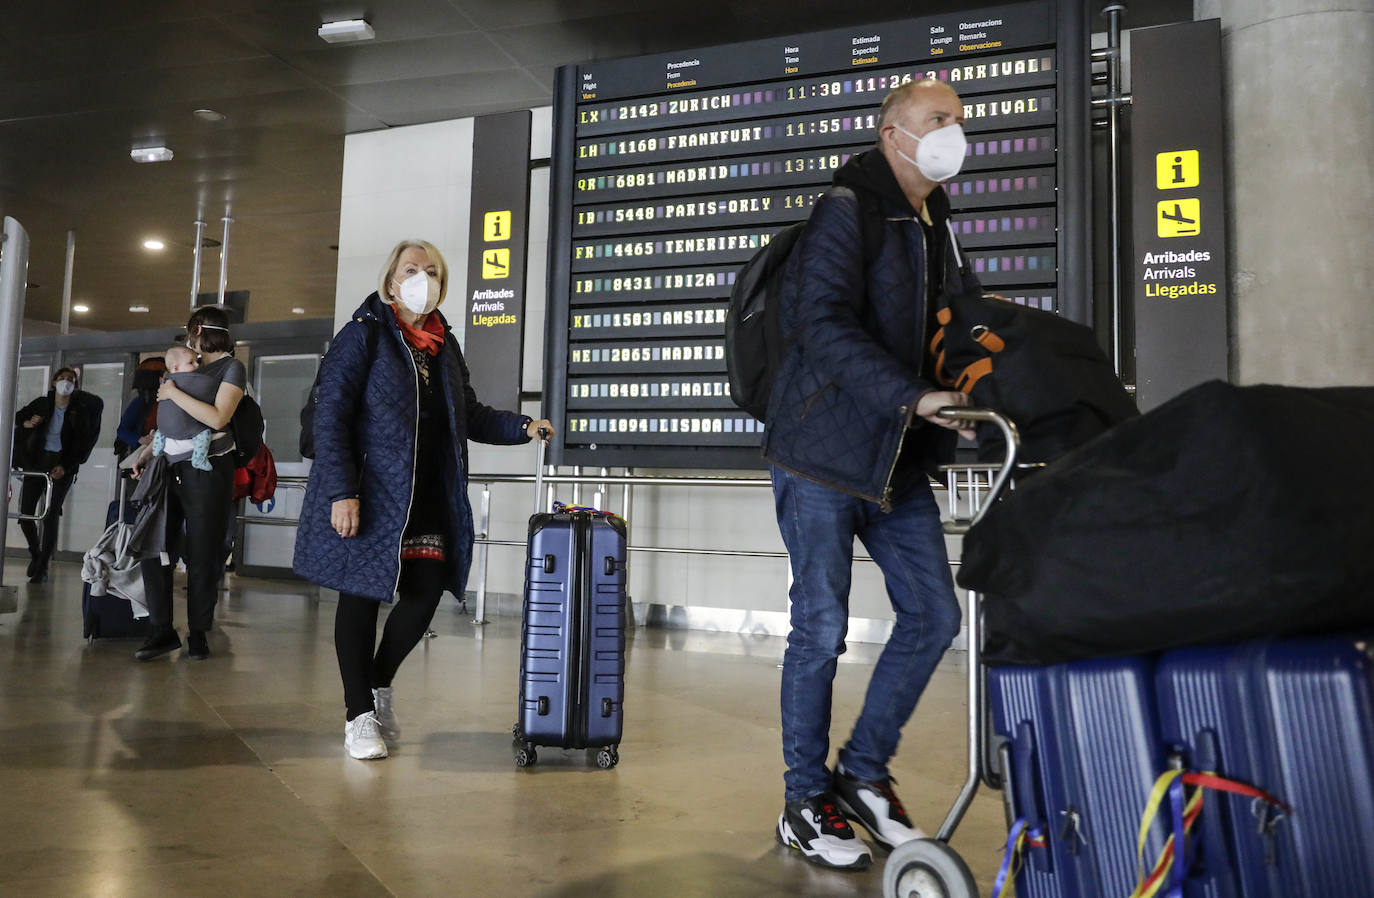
x=419 y=293
x=940 y=154
x=65 y=387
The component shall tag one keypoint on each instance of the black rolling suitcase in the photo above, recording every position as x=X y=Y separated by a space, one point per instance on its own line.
x=110 y=616
x=572 y=634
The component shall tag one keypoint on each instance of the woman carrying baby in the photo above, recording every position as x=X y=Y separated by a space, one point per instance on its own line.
x=199 y=486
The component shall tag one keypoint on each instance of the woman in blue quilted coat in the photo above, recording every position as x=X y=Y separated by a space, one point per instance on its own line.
x=386 y=511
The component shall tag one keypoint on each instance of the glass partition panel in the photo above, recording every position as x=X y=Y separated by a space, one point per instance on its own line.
x=283 y=383
x=83 y=514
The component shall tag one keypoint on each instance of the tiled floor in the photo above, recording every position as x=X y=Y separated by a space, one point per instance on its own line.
x=228 y=777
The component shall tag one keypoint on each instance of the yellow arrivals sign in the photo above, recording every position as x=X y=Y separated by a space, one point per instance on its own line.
x=1179 y=218
x=495 y=264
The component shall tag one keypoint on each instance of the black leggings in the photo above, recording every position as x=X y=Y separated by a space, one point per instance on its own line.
x=355 y=632
x=202 y=499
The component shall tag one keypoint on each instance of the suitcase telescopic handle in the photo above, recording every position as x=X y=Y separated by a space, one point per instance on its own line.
x=540 y=452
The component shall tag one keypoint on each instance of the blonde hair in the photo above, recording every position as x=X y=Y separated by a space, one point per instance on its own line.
x=394 y=259
x=178 y=352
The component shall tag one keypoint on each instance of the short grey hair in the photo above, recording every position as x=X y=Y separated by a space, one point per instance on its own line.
x=900 y=96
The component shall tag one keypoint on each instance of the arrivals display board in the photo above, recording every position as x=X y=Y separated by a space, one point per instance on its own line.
x=670 y=171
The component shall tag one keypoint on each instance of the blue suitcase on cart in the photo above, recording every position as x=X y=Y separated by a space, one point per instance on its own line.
x=1294 y=717
x=1083 y=752
x=572 y=640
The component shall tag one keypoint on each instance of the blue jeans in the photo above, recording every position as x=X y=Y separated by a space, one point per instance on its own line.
x=818 y=526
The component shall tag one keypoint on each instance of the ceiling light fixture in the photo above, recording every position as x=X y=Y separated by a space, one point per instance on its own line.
x=346 y=32
x=209 y=115
x=138 y=309
x=150 y=154
x=80 y=308
x=154 y=244
x=297 y=310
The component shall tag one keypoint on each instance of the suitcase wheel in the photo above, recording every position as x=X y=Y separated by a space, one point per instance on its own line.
x=525 y=757
x=927 y=868
x=607 y=758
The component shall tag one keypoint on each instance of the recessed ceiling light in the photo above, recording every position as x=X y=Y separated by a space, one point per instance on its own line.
x=154 y=244
x=297 y=311
x=150 y=154
x=209 y=115
x=81 y=308
x=344 y=32
x=138 y=309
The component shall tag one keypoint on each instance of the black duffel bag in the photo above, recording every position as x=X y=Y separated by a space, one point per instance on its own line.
x=1044 y=372
x=1228 y=513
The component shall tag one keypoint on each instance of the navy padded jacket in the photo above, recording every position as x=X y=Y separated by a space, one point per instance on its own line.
x=366 y=415
x=842 y=409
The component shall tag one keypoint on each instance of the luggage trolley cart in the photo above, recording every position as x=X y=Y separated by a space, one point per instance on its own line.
x=929 y=868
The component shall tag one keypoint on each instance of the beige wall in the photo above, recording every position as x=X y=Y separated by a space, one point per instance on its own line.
x=1300 y=129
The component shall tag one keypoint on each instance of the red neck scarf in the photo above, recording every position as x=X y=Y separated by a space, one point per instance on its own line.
x=428 y=337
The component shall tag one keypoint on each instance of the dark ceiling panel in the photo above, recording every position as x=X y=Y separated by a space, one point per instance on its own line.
x=66 y=18
x=495 y=14
x=289 y=29
x=118 y=51
x=448 y=54
x=196 y=85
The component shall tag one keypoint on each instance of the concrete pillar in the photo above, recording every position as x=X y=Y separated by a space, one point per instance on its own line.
x=1300 y=127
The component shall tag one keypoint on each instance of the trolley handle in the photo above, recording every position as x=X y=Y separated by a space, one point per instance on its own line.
x=540 y=452
x=1011 y=439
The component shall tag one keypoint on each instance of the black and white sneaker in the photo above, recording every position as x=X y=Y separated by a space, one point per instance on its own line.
x=877 y=808
x=816 y=827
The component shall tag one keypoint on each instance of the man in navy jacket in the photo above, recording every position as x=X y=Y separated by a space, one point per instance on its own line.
x=852 y=429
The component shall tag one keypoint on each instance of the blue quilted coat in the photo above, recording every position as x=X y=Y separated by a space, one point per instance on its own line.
x=842 y=408
x=366 y=415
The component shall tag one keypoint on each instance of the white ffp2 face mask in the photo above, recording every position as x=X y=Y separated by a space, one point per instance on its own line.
x=64 y=388
x=940 y=154
x=419 y=293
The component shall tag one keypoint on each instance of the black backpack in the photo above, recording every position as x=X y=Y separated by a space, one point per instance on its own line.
x=754 y=341
x=308 y=420
x=307 y=443
x=247 y=426
x=1045 y=372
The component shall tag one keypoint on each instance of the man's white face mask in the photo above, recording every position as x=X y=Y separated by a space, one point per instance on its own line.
x=940 y=154
x=419 y=293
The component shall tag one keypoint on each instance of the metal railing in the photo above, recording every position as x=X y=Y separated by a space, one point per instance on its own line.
x=602 y=481
x=42 y=510
x=283 y=483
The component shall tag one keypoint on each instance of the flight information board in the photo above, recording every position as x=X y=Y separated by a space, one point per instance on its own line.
x=670 y=171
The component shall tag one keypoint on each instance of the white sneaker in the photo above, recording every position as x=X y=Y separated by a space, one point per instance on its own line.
x=363 y=738
x=816 y=827
x=877 y=808
x=386 y=715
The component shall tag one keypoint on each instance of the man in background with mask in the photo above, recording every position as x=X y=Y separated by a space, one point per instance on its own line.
x=852 y=431
x=54 y=435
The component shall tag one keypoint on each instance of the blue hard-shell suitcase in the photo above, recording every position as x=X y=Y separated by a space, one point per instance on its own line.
x=1294 y=717
x=572 y=641
x=1084 y=752
x=108 y=616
